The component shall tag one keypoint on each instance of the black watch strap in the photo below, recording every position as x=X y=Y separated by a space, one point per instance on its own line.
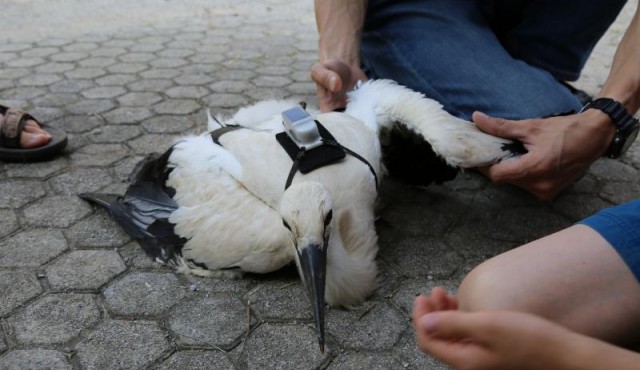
x=618 y=113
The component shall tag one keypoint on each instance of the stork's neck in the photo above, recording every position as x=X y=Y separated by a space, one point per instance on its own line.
x=351 y=275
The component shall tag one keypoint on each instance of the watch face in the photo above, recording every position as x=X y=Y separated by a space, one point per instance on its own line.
x=630 y=139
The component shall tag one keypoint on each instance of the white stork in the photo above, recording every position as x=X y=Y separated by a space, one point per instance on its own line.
x=220 y=205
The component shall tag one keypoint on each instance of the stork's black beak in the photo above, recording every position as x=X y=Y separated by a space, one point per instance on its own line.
x=313 y=271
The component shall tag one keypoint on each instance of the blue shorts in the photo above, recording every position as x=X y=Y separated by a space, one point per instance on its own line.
x=620 y=226
x=502 y=57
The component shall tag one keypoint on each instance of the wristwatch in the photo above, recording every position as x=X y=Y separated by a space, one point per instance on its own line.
x=627 y=127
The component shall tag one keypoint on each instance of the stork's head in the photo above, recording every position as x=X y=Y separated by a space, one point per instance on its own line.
x=306 y=211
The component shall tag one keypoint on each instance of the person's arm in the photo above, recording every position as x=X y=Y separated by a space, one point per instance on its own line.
x=561 y=149
x=339 y=25
x=507 y=340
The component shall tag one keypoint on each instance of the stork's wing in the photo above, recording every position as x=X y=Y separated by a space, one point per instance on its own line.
x=227 y=225
x=144 y=210
x=383 y=103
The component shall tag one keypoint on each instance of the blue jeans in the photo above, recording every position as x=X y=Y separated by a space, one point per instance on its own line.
x=502 y=57
x=620 y=226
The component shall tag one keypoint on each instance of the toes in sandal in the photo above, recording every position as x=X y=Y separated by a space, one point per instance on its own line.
x=12 y=123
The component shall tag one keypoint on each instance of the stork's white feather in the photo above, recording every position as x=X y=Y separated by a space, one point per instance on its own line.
x=382 y=103
x=229 y=199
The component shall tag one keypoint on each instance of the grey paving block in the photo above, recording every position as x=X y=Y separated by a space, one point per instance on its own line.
x=122 y=344
x=187 y=92
x=152 y=143
x=271 y=81
x=14 y=73
x=56 y=100
x=98 y=62
x=139 y=99
x=103 y=92
x=40 y=79
x=16 y=193
x=160 y=73
x=218 y=320
x=229 y=86
x=84 y=269
x=143 y=294
x=127 y=115
x=116 y=79
x=222 y=100
x=71 y=86
x=618 y=192
x=177 y=106
x=412 y=358
x=92 y=106
x=137 y=57
x=127 y=67
x=115 y=134
x=97 y=231
x=82 y=180
x=99 y=155
x=22 y=93
x=197 y=360
x=373 y=325
x=193 y=79
x=150 y=85
x=79 y=123
x=16 y=288
x=282 y=346
x=410 y=288
x=25 y=62
x=281 y=299
x=55 y=318
x=135 y=257
x=422 y=256
x=56 y=211
x=34 y=359
x=9 y=222
x=85 y=73
x=169 y=124
x=367 y=360
x=31 y=248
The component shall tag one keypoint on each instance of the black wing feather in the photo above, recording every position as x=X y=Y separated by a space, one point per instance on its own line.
x=144 y=210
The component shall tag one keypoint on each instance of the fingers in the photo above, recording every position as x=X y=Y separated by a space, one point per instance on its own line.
x=499 y=126
x=326 y=78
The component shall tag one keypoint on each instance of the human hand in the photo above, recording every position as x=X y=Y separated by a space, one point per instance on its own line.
x=560 y=149
x=487 y=339
x=333 y=79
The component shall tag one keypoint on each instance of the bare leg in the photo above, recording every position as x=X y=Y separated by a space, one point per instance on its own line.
x=573 y=277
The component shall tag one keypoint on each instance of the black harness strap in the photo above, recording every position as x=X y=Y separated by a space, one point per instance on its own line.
x=327 y=140
x=298 y=155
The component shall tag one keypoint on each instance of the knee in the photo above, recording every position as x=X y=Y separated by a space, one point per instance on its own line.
x=489 y=286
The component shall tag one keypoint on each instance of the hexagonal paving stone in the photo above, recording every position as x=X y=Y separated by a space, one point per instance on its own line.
x=122 y=345
x=164 y=124
x=79 y=124
x=31 y=248
x=273 y=346
x=139 y=99
x=420 y=256
x=16 y=193
x=413 y=358
x=103 y=92
x=17 y=287
x=41 y=79
x=224 y=100
x=99 y=155
x=217 y=320
x=85 y=269
x=271 y=81
x=152 y=143
x=197 y=360
x=144 y=293
x=114 y=134
x=176 y=106
x=116 y=79
x=91 y=106
x=85 y=73
x=150 y=85
x=59 y=211
x=96 y=231
x=34 y=359
x=281 y=300
x=374 y=325
x=83 y=180
x=364 y=360
x=9 y=222
x=127 y=115
x=55 y=318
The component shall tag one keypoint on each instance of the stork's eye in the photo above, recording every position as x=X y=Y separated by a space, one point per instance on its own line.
x=286 y=225
x=327 y=219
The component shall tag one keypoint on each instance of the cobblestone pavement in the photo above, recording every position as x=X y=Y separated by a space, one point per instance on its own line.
x=78 y=293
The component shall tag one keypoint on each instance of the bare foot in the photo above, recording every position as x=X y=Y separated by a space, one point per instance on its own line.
x=33 y=135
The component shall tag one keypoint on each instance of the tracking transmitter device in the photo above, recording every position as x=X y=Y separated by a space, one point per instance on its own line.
x=301 y=128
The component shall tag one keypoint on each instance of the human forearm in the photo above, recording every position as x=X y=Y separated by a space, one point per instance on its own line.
x=339 y=25
x=586 y=353
x=623 y=83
